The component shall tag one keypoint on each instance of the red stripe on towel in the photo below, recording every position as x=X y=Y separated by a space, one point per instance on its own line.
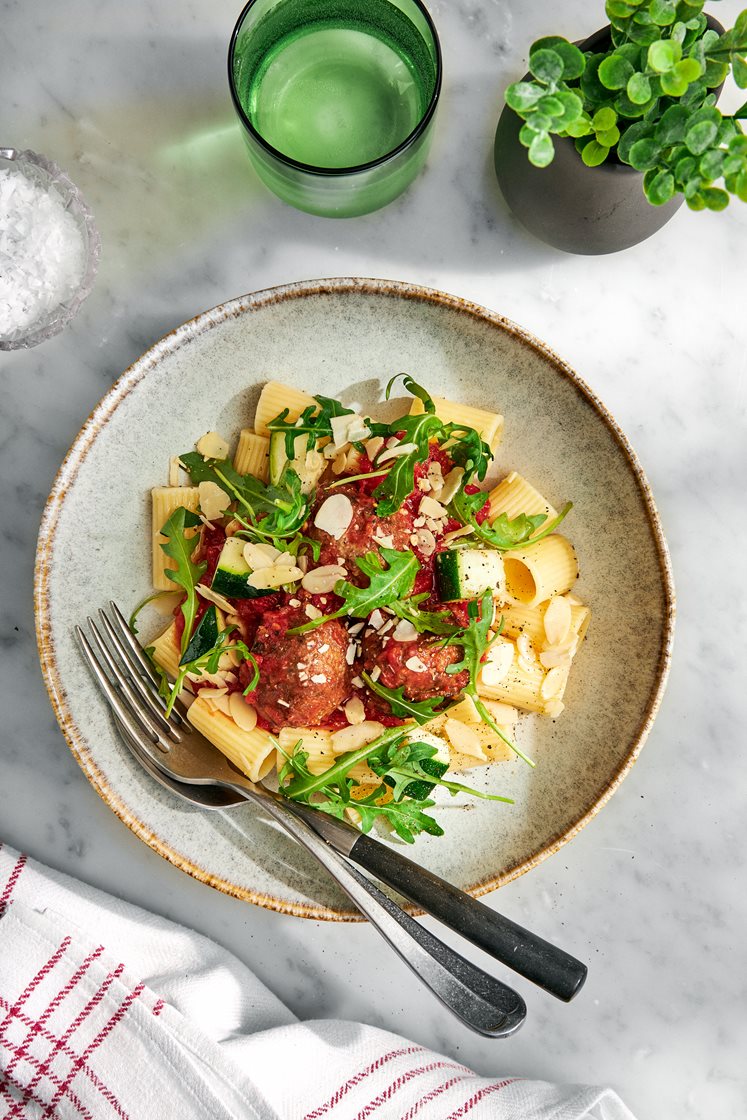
x=478 y=1096
x=397 y=1084
x=361 y=1076
x=13 y=879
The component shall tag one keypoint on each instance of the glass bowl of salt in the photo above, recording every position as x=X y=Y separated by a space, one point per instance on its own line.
x=49 y=249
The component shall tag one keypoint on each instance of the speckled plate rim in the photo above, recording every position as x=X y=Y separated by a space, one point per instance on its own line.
x=96 y=424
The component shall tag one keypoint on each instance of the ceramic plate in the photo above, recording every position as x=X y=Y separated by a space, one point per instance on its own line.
x=346 y=338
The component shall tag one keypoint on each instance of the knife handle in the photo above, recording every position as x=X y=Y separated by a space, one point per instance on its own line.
x=531 y=956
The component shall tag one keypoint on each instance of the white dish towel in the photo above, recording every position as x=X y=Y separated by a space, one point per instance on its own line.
x=108 y=1012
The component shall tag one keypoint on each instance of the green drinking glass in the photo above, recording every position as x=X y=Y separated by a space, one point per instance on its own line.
x=336 y=98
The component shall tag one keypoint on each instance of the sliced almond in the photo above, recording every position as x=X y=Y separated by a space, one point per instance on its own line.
x=430 y=508
x=242 y=714
x=260 y=555
x=340 y=461
x=355 y=713
x=464 y=738
x=504 y=714
x=455 y=534
x=334 y=515
x=404 y=631
x=222 y=704
x=360 y=735
x=553 y=684
x=212 y=693
x=465 y=711
x=212 y=446
x=424 y=541
x=554 y=708
x=213 y=501
x=376 y=620
x=435 y=476
x=373 y=446
x=395 y=451
x=452 y=482
x=311 y=611
x=275 y=576
x=497 y=664
x=211 y=596
x=416 y=665
x=320 y=581
x=554 y=659
x=557 y=620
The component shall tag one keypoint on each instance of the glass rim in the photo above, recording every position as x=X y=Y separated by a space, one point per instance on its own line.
x=336 y=172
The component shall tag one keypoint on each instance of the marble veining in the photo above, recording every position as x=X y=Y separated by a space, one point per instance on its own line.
x=132 y=102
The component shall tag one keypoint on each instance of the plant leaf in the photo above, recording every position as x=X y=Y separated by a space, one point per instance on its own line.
x=594 y=153
x=421 y=710
x=546 y=65
x=523 y=96
x=541 y=150
x=179 y=548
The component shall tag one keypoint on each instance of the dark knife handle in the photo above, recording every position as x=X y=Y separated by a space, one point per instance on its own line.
x=544 y=964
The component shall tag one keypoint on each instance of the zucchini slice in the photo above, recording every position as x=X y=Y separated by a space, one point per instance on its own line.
x=308 y=465
x=232 y=574
x=466 y=573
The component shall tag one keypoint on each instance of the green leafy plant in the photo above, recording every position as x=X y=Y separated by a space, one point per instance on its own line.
x=267 y=512
x=464 y=445
x=180 y=546
x=504 y=533
x=406 y=768
x=419 y=710
x=391 y=576
x=647 y=101
x=202 y=655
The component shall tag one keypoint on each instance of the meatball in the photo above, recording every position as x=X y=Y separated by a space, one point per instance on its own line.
x=365 y=533
x=419 y=667
x=302 y=677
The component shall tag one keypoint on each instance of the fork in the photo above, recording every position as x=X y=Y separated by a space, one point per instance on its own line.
x=483 y=1003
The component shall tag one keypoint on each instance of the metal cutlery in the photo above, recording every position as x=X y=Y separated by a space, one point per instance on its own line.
x=185 y=762
x=484 y=1004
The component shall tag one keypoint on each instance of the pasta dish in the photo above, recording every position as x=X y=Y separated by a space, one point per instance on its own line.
x=355 y=608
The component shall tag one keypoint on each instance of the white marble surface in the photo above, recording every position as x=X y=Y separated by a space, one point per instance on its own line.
x=131 y=99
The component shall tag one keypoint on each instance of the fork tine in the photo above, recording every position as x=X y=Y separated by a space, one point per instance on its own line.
x=136 y=706
x=136 y=682
x=112 y=695
x=138 y=658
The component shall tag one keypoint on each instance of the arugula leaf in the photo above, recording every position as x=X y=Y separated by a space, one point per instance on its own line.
x=405 y=817
x=504 y=533
x=132 y=621
x=314 y=421
x=412 y=387
x=399 y=483
x=208 y=662
x=464 y=445
x=468 y=450
x=420 y=710
x=386 y=585
x=402 y=767
x=179 y=548
x=273 y=511
x=475 y=641
x=425 y=622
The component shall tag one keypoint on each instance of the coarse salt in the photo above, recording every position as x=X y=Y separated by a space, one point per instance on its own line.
x=42 y=254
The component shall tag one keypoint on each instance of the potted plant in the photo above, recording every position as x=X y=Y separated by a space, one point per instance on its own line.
x=603 y=140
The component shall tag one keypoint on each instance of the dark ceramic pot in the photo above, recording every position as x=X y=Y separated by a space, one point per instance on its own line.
x=576 y=208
